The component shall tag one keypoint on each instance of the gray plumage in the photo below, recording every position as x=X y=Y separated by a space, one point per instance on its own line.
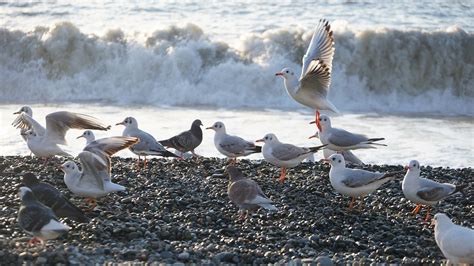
x=52 y=197
x=107 y=147
x=187 y=140
x=343 y=138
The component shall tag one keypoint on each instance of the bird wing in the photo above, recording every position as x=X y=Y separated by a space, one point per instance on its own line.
x=183 y=141
x=286 y=152
x=246 y=191
x=458 y=242
x=434 y=191
x=321 y=47
x=24 y=121
x=33 y=217
x=94 y=170
x=235 y=145
x=58 y=123
x=343 y=138
x=358 y=178
x=111 y=145
x=317 y=80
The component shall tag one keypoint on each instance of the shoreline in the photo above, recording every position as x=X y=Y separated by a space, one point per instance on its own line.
x=179 y=212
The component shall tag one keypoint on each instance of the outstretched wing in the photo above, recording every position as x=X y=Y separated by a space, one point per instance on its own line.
x=111 y=145
x=58 y=123
x=24 y=121
x=94 y=169
x=321 y=48
x=317 y=78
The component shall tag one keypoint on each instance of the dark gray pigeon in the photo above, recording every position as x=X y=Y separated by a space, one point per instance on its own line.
x=37 y=219
x=52 y=197
x=187 y=140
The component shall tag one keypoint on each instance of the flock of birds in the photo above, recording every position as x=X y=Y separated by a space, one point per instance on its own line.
x=42 y=204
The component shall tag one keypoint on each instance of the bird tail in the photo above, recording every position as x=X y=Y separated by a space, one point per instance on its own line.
x=460 y=189
x=255 y=149
x=268 y=206
x=165 y=153
x=166 y=142
x=317 y=148
x=373 y=140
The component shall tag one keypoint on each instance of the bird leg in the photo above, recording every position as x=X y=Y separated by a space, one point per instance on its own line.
x=138 y=163
x=351 y=204
x=144 y=162
x=427 y=214
x=318 y=126
x=283 y=175
x=361 y=205
x=35 y=241
x=92 y=202
x=416 y=209
x=45 y=161
x=232 y=161
x=242 y=215
x=195 y=154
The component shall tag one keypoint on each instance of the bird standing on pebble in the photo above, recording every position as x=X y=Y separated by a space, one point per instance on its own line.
x=187 y=140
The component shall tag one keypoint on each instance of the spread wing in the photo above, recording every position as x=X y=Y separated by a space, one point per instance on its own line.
x=343 y=138
x=318 y=78
x=26 y=122
x=286 y=152
x=58 y=123
x=358 y=177
x=94 y=170
x=235 y=145
x=111 y=145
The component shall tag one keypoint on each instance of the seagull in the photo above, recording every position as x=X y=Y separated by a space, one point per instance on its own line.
x=232 y=146
x=284 y=155
x=456 y=242
x=245 y=193
x=27 y=110
x=148 y=146
x=37 y=219
x=186 y=140
x=312 y=87
x=424 y=191
x=349 y=157
x=340 y=139
x=355 y=182
x=52 y=197
x=106 y=147
x=57 y=124
x=94 y=179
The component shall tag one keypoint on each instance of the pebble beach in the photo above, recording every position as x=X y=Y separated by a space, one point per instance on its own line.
x=178 y=212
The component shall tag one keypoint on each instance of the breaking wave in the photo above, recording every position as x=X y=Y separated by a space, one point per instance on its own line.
x=381 y=70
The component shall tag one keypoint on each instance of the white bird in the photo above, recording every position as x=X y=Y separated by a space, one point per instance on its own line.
x=246 y=193
x=340 y=139
x=312 y=87
x=37 y=219
x=349 y=157
x=456 y=242
x=232 y=146
x=106 y=147
x=57 y=124
x=284 y=155
x=27 y=110
x=148 y=146
x=355 y=183
x=424 y=191
x=94 y=179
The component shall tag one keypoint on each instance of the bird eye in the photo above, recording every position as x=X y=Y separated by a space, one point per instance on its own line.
x=340 y=161
x=287 y=71
x=325 y=119
x=333 y=159
x=67 y=166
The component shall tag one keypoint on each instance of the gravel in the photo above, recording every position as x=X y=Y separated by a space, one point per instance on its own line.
x=178 y=211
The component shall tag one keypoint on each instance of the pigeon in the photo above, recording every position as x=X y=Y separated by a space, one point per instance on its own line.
x=106 y=147
x=312 y=87
x=147 y=146
x=245 y=193
x=51 y=197
x=232 y=146
x=187 y=140
x=456 y=242
x=94 y=179
x=57 y=124
x=355 y=182
x=37 y=219
x=424 y=191
x=284 y=155
x=340 y=139
x=27 y=110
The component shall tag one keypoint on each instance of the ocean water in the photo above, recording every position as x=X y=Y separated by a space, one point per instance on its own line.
x=398 y=65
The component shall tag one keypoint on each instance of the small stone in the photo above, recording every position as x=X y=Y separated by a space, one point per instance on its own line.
x=324 y=261
x=41 y=260
x=184 y=256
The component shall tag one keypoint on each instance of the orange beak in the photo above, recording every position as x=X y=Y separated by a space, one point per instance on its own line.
x=121 y=123
x=278 y=74
x=259 y=140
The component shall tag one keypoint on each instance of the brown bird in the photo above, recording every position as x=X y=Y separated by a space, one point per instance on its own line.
x=245 y=193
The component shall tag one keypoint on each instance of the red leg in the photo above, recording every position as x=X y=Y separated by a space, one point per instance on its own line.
x=416 y=209
x=34 y=241
x=138 y=163
x=92 y=203
x=283 y=175
x=428 y=214
x=144 y=162
x=351 y=204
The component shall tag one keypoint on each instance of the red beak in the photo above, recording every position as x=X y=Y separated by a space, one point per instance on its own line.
x=317 y=121
x=259 y=140
x=278 y=74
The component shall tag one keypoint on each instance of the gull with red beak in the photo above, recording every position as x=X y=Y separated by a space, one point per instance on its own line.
x=312 y=87
x=356 y=183
x=284 y=155
x=424 y=191
x=340 y=139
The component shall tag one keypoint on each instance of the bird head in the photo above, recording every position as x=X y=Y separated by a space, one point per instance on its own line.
x=286 y=73
x=129 y=122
